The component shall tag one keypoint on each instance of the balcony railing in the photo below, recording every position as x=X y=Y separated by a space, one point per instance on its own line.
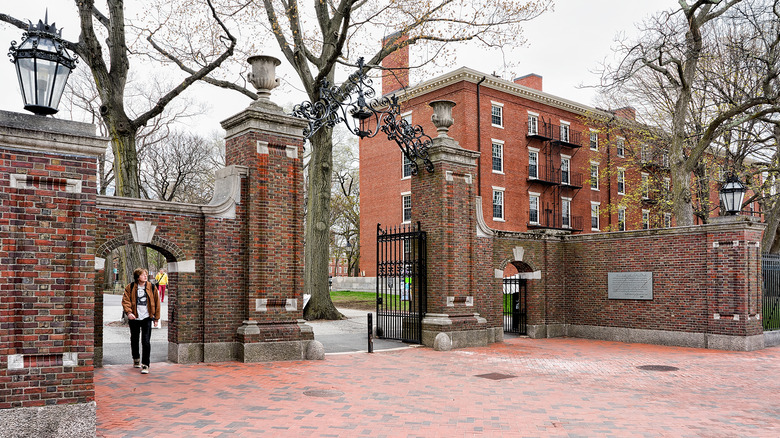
x=571 y=179
x=544 y=174
x=549 y=132
x=549 y=219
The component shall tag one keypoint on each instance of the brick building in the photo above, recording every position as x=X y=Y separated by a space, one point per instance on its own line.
x=546 y=162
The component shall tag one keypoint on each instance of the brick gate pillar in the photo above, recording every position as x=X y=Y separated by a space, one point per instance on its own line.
x=734 y=289
x=270 y=144
x=48 y=187
x=444 y=203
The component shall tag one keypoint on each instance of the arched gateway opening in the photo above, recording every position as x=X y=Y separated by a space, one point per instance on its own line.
x=515 y=297
x=112 y=345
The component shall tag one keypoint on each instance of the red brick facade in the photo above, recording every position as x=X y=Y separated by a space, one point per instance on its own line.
x=620 y=169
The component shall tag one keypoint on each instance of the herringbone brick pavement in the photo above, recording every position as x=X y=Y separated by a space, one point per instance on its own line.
x=519 y=388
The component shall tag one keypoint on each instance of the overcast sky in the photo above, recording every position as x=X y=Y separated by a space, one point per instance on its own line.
x=564 y=47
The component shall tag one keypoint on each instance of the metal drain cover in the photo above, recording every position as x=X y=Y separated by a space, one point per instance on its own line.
x=495 y=376
x=657 y=368
x=323 y=393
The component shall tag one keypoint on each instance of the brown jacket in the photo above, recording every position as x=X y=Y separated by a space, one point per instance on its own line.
x=131 y=296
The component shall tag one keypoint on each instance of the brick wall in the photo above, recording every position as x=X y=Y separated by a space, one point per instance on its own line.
x=47 y=233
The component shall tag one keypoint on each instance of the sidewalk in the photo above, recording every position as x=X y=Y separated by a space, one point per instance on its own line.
x=345 y=336
x=523 y=387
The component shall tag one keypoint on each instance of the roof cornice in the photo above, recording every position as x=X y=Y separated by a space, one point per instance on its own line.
x=473 y=76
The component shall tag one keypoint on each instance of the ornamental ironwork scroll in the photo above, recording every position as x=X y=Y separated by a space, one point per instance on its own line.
x=353 y=104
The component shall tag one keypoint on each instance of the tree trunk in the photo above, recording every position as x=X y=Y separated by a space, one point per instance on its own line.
x=317 y=233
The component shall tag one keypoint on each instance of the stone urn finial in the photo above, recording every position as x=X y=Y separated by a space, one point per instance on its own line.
x=263 y=75
x=442 y=116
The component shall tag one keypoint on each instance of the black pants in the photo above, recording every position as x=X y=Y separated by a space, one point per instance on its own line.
x=143 y=326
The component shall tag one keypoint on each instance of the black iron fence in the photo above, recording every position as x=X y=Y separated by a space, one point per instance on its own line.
x=401 y=287
x=770 y=269
x=515 y=307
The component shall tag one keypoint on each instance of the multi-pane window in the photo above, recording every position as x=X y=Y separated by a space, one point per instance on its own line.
x=594 y=175
x=621 y=147
x=407 y=206
x=645 y=153
x=645 y=186
x=667 y=220
x=533 y=164
x=665 y=159
x=594 y=216
x=497 y=114
x=645 y=219
x=407 y=166
x=498 y=156
x=566 y=212
x=621 y=181
x=621 y=219
x=533 y=208
x=565 y=128
x=498 y=204
x=594 y=140
x=667 y=189
x=565 y=166
x=533 y=124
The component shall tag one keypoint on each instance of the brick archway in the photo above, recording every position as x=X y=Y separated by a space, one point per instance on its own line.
x=167 y=248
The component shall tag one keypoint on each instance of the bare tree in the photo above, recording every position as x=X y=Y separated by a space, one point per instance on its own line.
x=180 y=168
x=674 y=66
x=345 y=206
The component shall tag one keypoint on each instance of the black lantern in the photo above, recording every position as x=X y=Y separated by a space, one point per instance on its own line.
x=43 y=66
x=731 y=194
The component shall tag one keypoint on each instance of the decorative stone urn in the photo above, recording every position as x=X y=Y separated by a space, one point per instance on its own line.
x=263 y=75
x=442 y=116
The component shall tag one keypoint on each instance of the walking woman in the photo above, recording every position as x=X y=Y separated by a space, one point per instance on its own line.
x=141 y=303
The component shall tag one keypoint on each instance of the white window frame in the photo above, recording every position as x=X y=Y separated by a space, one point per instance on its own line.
x=621 y=180
x=503 y=204
x=493 y=145
x=531 y=197
x=535 y=152
x=405 y=164
x=645 y=219
x=568 y=131
x=500 y=107
x=667 y=188
x=408 y=117
x=566 y=212
x=597 y=205
x=621 y=218
x=592 y=133
x=404 y=197
x=644 y=153
x=594 y=182
x=566 y=159
x=620 y=147
x=667 y=220
x=533 y=128
x=644 y=182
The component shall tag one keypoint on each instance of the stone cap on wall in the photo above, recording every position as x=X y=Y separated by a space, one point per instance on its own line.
x=46 y=134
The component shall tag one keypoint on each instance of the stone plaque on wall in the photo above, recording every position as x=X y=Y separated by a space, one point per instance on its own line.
x=630 y=285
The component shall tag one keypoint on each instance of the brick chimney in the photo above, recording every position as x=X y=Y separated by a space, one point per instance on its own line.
x=397 y=63
x=532 y=80
x=627 y=112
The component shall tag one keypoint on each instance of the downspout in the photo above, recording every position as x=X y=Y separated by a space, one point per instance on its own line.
x=479 y=141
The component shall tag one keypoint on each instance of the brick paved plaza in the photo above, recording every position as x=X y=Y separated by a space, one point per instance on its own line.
x=560 y=387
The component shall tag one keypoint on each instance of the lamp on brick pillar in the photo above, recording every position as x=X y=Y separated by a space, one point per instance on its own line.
x=731 y=195
x=42 y=66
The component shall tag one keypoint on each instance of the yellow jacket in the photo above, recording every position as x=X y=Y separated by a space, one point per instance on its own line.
x=162 y=279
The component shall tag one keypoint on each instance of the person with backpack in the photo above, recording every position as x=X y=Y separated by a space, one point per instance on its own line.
x=141 y=304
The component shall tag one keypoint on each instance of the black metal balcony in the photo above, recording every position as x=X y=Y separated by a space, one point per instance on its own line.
x=566 y=138
x=553 y=220
x=572 y=180
x=544 y=174
x=540 y=130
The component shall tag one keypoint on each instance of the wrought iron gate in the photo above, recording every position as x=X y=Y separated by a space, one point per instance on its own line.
x=401 y=287
x=515 y=307
x=771 y=304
